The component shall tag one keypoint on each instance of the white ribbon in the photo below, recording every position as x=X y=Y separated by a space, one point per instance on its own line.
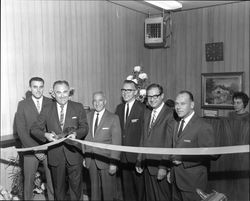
x=151 y=150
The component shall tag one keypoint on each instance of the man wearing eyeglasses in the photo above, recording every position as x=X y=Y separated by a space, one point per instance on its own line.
x=131 y=113
x=157 y=132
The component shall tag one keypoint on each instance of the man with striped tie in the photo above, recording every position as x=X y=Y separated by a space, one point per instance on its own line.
x=63 y=118
x=27 y=112
x=157 y=132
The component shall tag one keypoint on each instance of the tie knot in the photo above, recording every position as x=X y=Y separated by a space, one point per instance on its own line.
x=62 y=106
x=97 y=114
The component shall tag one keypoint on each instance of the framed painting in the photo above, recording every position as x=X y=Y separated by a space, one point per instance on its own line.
x=217 y=89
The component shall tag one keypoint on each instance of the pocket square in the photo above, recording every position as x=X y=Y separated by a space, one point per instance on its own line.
x=187 y=141
x=74 y=117
x=134 y=120
x=105 y=128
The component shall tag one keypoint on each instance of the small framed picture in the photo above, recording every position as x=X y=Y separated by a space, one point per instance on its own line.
x=217 y=89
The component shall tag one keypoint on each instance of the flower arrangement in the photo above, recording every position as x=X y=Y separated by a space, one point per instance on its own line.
x=141 y=79
x=16 y=176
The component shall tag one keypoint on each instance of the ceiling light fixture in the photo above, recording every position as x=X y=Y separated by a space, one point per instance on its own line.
x=166 y=5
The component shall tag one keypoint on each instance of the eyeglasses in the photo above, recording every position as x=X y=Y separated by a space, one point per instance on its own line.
x=154 y=96
x=127 y=90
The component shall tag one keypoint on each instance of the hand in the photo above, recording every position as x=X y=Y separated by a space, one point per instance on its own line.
x=72 y=135
x=176 y=162
x=169 y=177
x=161 y=174
x=112 y=169
x=50 y=136
x=84 y=163
x=139 y=169
x=40 y=156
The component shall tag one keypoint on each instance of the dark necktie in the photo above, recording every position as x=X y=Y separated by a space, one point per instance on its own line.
x=96 y=122
x=127 y=111
x=61 y=116
x=181 y=128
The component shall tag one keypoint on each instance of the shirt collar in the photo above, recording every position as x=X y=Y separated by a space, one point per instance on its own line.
x=100 y=113
x=37 y=99
x=159 y=108
x=187 y=119
x=131 y=103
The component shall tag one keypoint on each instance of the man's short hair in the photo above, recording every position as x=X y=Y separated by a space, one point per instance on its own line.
x=154 y=85
x=188 y=93
x=241 y=95
x=99 y=92
x=39 y=79
x=60 y=82
x=130 y=82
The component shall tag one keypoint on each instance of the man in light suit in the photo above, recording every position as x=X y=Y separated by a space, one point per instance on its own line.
x=27 y=112
x=157 y=132
x=189 y=172
x=102 y=163
x=63 y=118
x=132 y=127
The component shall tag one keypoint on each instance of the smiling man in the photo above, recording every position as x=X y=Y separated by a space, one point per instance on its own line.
x=189 y=172
x=27 y=113
x=157 y=132
x=102 y=163
x=63 y=118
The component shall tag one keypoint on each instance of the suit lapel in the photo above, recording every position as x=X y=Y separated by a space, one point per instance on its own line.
x=68 y=115
x=32 y=104
x=101 y=123
x=188 y=126
x=54 y=115
x=160 y=115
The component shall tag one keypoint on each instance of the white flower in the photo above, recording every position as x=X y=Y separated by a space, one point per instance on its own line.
x=137 y=68
x=135 y=81
x=142 y=92
x=130 y=77
x=143 y=76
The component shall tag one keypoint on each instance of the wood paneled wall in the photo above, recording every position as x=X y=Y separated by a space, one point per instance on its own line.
x=92 y=44
x=180 y=66
x=95 y=44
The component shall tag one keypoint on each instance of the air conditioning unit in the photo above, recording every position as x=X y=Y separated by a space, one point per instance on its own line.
x=154 y=32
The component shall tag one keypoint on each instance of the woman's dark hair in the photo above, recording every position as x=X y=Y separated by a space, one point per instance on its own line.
x=242 y=96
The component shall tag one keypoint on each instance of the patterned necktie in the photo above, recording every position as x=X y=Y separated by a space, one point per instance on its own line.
x=152 y=118
x=38 y=106
x=96 y=122
x=181 y=128
x=61 y=116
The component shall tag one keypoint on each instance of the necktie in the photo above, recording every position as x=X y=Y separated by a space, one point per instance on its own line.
x=152 y=118
x=181 y=128
x=38 y=106
x=96 y=122
x=61 y=116
x=127 y=111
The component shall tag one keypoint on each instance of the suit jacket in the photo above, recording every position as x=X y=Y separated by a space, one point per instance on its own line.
x=132 y=130
x=25 y=116
x=192 y=173
x=108 y=132
x=48 y=121
x=160 y=135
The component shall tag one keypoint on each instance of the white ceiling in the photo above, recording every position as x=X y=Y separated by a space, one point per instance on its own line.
x=146 y=8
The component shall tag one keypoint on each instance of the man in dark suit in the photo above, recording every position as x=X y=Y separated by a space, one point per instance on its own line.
x=131 y=114
x=189 y=172
x=157 y=132
x=102 y=163
x=63 y=118
x=27 y=112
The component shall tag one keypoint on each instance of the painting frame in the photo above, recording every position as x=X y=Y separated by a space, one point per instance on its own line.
x=217 y=89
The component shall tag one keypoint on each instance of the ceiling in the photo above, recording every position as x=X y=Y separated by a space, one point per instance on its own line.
x=146 y=8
